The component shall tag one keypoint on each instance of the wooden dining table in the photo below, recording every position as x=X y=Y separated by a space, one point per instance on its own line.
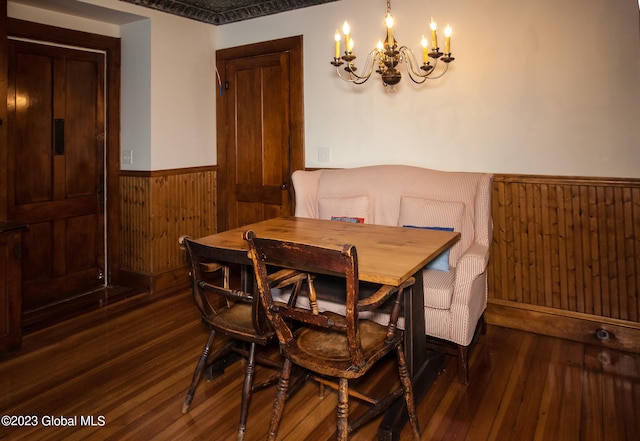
x=386 y=255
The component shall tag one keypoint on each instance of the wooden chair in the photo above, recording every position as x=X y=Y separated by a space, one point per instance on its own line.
x=326 y=343
x=236 y=313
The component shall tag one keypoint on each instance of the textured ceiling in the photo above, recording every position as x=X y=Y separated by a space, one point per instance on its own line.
x=219 y=12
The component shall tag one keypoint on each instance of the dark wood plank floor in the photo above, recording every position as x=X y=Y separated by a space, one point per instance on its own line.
x=128 y=366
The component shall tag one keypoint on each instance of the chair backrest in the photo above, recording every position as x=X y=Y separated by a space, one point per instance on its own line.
x=341 y=262
x=210 y=296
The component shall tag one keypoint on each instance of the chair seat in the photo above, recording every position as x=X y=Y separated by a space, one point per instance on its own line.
x=237 y=320
x=317 y=346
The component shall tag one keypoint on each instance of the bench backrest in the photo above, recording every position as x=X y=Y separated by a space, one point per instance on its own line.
x=400 y=195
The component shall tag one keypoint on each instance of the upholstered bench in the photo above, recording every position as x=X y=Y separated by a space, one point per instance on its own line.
x=455 y=285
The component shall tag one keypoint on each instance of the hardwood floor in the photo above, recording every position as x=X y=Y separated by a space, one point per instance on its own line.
x=128 y=365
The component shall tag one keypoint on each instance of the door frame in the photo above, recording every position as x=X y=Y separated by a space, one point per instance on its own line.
x=111 y=47
x=294 y=46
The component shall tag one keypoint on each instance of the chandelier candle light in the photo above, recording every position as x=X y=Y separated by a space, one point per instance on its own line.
x=388 y=55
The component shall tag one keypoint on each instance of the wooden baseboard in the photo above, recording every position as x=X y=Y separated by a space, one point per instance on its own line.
x=134 y=279
x=55 y=313
x=174 y=280
x=601 y=331
x=167 y=281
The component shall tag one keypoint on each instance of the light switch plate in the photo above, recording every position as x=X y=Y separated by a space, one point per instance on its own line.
x=127 y=157
x=324 y=154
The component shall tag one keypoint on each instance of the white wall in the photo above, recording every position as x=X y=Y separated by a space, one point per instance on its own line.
x=543 y=87
x=135 y=94
x=183 y=93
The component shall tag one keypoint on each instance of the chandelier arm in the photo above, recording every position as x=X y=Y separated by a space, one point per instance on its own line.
x=360 y=79
x=422 y=78
x=446 y=67
x=352 y=78
x=414 y=74
x=413 y=67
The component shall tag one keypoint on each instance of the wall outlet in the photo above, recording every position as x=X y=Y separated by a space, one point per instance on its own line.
x=127 y=157
x=324 y=154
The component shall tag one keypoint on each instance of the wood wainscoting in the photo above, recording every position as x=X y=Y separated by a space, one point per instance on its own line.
x=565 y=258
x=157 y=207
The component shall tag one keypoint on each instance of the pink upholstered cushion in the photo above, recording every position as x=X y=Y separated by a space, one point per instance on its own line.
x=422 y=212
x=385 y=186
x=346 y=206
x=438 y=288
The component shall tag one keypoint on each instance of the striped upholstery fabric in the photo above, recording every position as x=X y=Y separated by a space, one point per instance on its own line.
x=351 y=206
x=422 y=212
x=405 y=195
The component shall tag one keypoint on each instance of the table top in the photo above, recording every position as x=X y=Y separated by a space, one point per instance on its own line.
x=386 y=255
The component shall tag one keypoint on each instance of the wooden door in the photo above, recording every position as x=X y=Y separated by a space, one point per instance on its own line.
x=259 y=130
x=10 y=290
x=56 y=168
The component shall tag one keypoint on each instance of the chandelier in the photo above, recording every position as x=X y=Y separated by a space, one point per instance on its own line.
x=388 y=55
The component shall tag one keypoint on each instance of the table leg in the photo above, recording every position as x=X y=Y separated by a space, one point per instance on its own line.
x=415 y=343
x=424 y=367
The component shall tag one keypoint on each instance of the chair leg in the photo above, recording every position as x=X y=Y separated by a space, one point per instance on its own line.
x=464 y=352
x=343 y=410
x=202 y=362
x=278 y=404
x=321 y=390
x=246 y=391
x=463 y=364
x=408 y=393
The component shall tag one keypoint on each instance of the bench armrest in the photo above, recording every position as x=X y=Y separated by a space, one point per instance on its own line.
x=474 y=261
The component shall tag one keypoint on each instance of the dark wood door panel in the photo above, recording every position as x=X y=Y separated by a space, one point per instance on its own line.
x=57 y=44
x=84 y=122
x=56 y=168
x=266 y=194
x=40 y=211
x=30 y=133
x=251 y=212
x=36 y=251
x=83 y=243
x=60 y=260
x=261 y=128
x=10 y=287
x=71 y=242
x=39 y=294
x=259 y=135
